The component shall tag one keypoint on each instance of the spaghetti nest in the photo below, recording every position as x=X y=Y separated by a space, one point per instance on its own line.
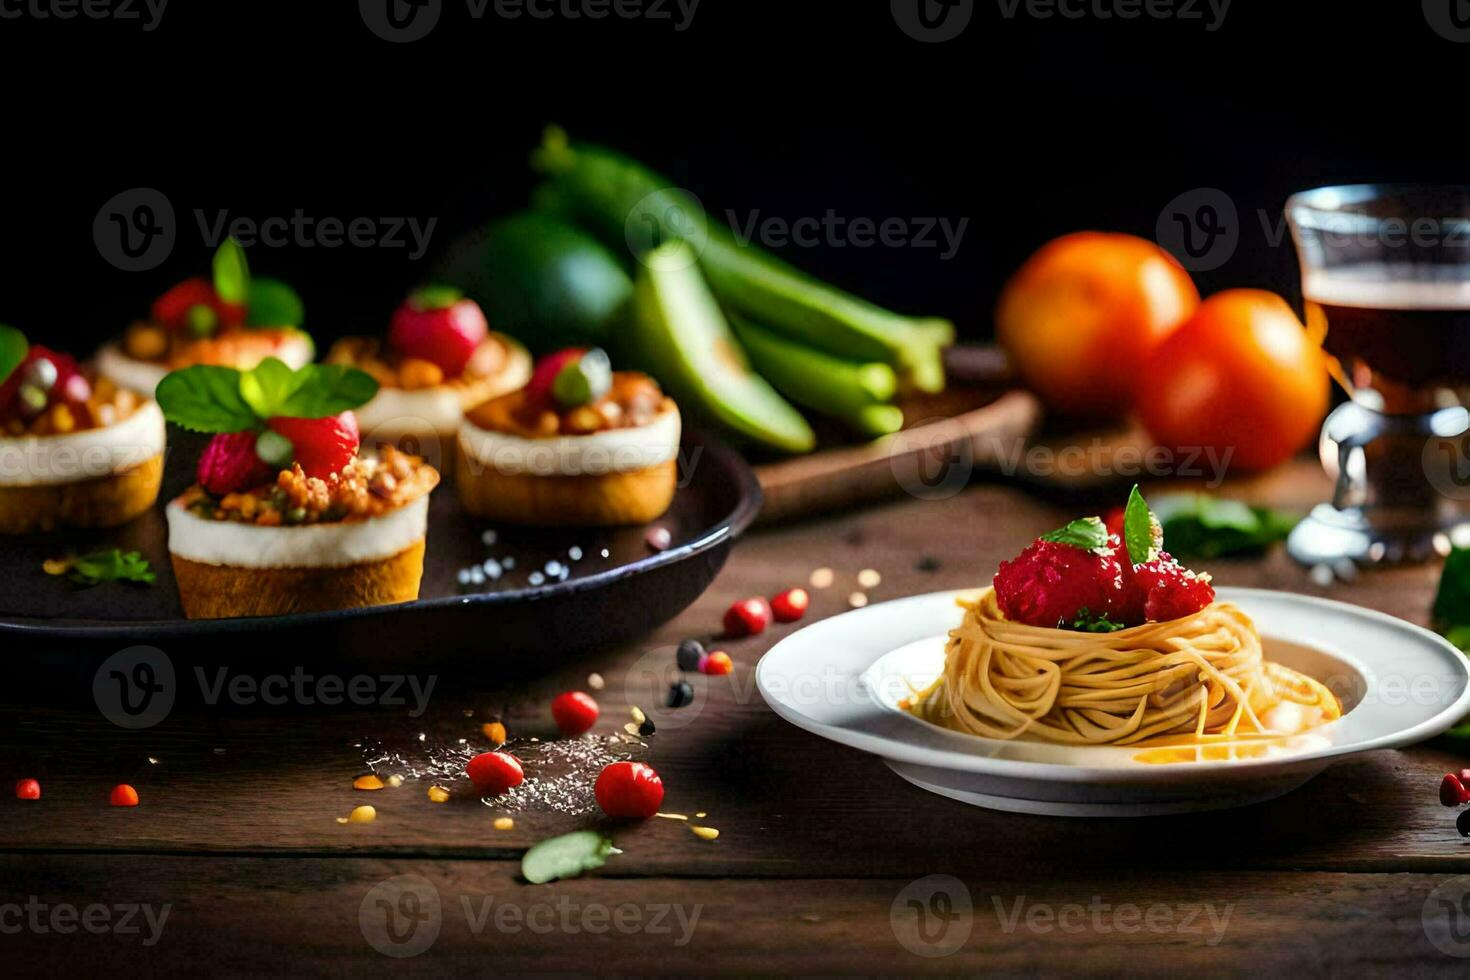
x=1184 y=680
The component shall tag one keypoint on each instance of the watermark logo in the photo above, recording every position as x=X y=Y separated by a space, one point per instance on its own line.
x=404 y=21
x=1201 y=228
x=1450 y=19
x=400 y=21
x=1446 y=917
x=933 y=916
x=135 y=230
x=402 y=916
x=1210 y=12
x=932 y=460
x=666 y=215
x=650 y=683
x=1205 y=920
x=932 y=21
x=1446 y=460
x=135 y=688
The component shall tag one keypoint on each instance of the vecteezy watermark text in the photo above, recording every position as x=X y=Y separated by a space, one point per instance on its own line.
x=832 y=230
x=404 y=21
x=1210 y=12
x=147 y=13
x=1205 y=919
x=64 y=918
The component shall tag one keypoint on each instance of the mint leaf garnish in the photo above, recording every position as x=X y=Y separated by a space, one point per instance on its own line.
x=566 y=856
x=205 y=398
x=272 y=303
x=1142 y=534
x=1088 y=623
x=1086 y=533
x=13 y=348
x=1200 y=526
x=110 y=565
x=231 y=273
x=434 y=297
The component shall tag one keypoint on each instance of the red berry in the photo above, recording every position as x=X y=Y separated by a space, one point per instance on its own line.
x=1050 y=584
x=1465 y=777
x=790 y=605
x=629 y=789
x=323 y=447
x=27 y=789
x=229 y=464
x=171 y=310
x=1169 y=590
x=717 y=663
x=747 y=617
x=538 y=389
x=495 y=772
x=445 y=335
x=1452 y=791
x=123 y=795
x=574 y=712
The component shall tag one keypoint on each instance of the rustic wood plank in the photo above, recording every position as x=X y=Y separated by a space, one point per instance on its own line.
x=320 y=916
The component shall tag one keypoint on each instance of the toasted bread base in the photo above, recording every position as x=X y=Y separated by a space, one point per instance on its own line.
x=102 y=502
x=600 y=500
x=227 y=591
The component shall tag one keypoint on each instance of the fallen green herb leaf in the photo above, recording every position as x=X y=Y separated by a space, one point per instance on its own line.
x=566 y=856
x=110 y=565
x=1200 y=526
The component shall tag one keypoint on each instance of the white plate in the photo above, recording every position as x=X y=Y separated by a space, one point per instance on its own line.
x=842 y=678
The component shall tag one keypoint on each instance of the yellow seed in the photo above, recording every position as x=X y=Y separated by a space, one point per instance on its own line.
x=504 y=823
x=596 y=682
x=638 y=716
x=705 y=833
x=671 y=816
x=395 y=780
x=341 y=819
x=367 y=782
x=701 y=816
x=869 y=578
x=362 y=814
x=62 y=420
x=56 y=566
x=857 y=600
x=822 y=578
x=630 y=728
x=494 y=731
x=438 y=794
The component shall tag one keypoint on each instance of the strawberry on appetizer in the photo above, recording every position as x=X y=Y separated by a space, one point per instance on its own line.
x=75 y=451
x=439 y=358
x=1082 y=577
x=286 y=516
x=580 y=444
x=229 y=319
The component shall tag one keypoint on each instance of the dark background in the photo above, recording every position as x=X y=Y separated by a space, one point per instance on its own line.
x=1027 y=127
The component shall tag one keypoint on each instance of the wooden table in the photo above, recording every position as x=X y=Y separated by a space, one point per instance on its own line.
x=819 y=847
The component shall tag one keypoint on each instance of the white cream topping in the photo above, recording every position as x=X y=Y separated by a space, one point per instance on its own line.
x=421 y=412
x=336 y=544
x=596 y=454
x=143 y=376
x=38 y=461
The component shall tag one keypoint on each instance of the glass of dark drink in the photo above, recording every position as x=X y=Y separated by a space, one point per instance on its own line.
x=1386 y=284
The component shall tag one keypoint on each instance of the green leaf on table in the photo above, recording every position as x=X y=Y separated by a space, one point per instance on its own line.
x=205 y=398
x=231 y=273
x=110 y=565
x=1086 y=533
x=1197 y=525
x=329 y=389
x=13 y=348
x=1452 y=601
x=272 y=303
x=1143 y=536
x=566 y=856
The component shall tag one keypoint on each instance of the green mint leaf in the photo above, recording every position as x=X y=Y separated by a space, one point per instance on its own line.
x=13 y=348
x=272 y=303
x=110 y=565
x=1086 y=533
x=231 y=273
x=434 y=297
x=1452 y=600
x=328 y=389
x=566 y=856
x=205 y=398
x=1087 y=623
x=1200 y=526
x=1143 y=536
x=269 y=385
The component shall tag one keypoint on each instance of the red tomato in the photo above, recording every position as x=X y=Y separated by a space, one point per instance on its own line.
x=629 y=789
x=123 y=795
x=1242 y=376
x=1083 y=309
x=495 y=772
x=27 y=789
x=748 y=617
x=574 y=712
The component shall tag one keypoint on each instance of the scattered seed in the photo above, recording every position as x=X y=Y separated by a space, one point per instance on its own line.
x=671 y=816
x=438 y=794
x=646 y=729
x=362 y=814
x=494 y=731
x=638 y=716
x=596 y=682
x=536 y=578
x=701 y=816
x=630 y=728
x=869 y=578
x=658 y=538
x=857 y=600
x=492 y=568
x=463 y=576
x=395 y=780
x=56 y=566
x=605 y=552
x=574 y=553
x=504 y=823
x=152 y=761
x=928 y=563
x=822 y=578
x=681 y=694
x=341 y=819
x=554 y=569
x=691 y=653
x=705 y=833
x=488 y=538
x=368 y=782
x=508 y=562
